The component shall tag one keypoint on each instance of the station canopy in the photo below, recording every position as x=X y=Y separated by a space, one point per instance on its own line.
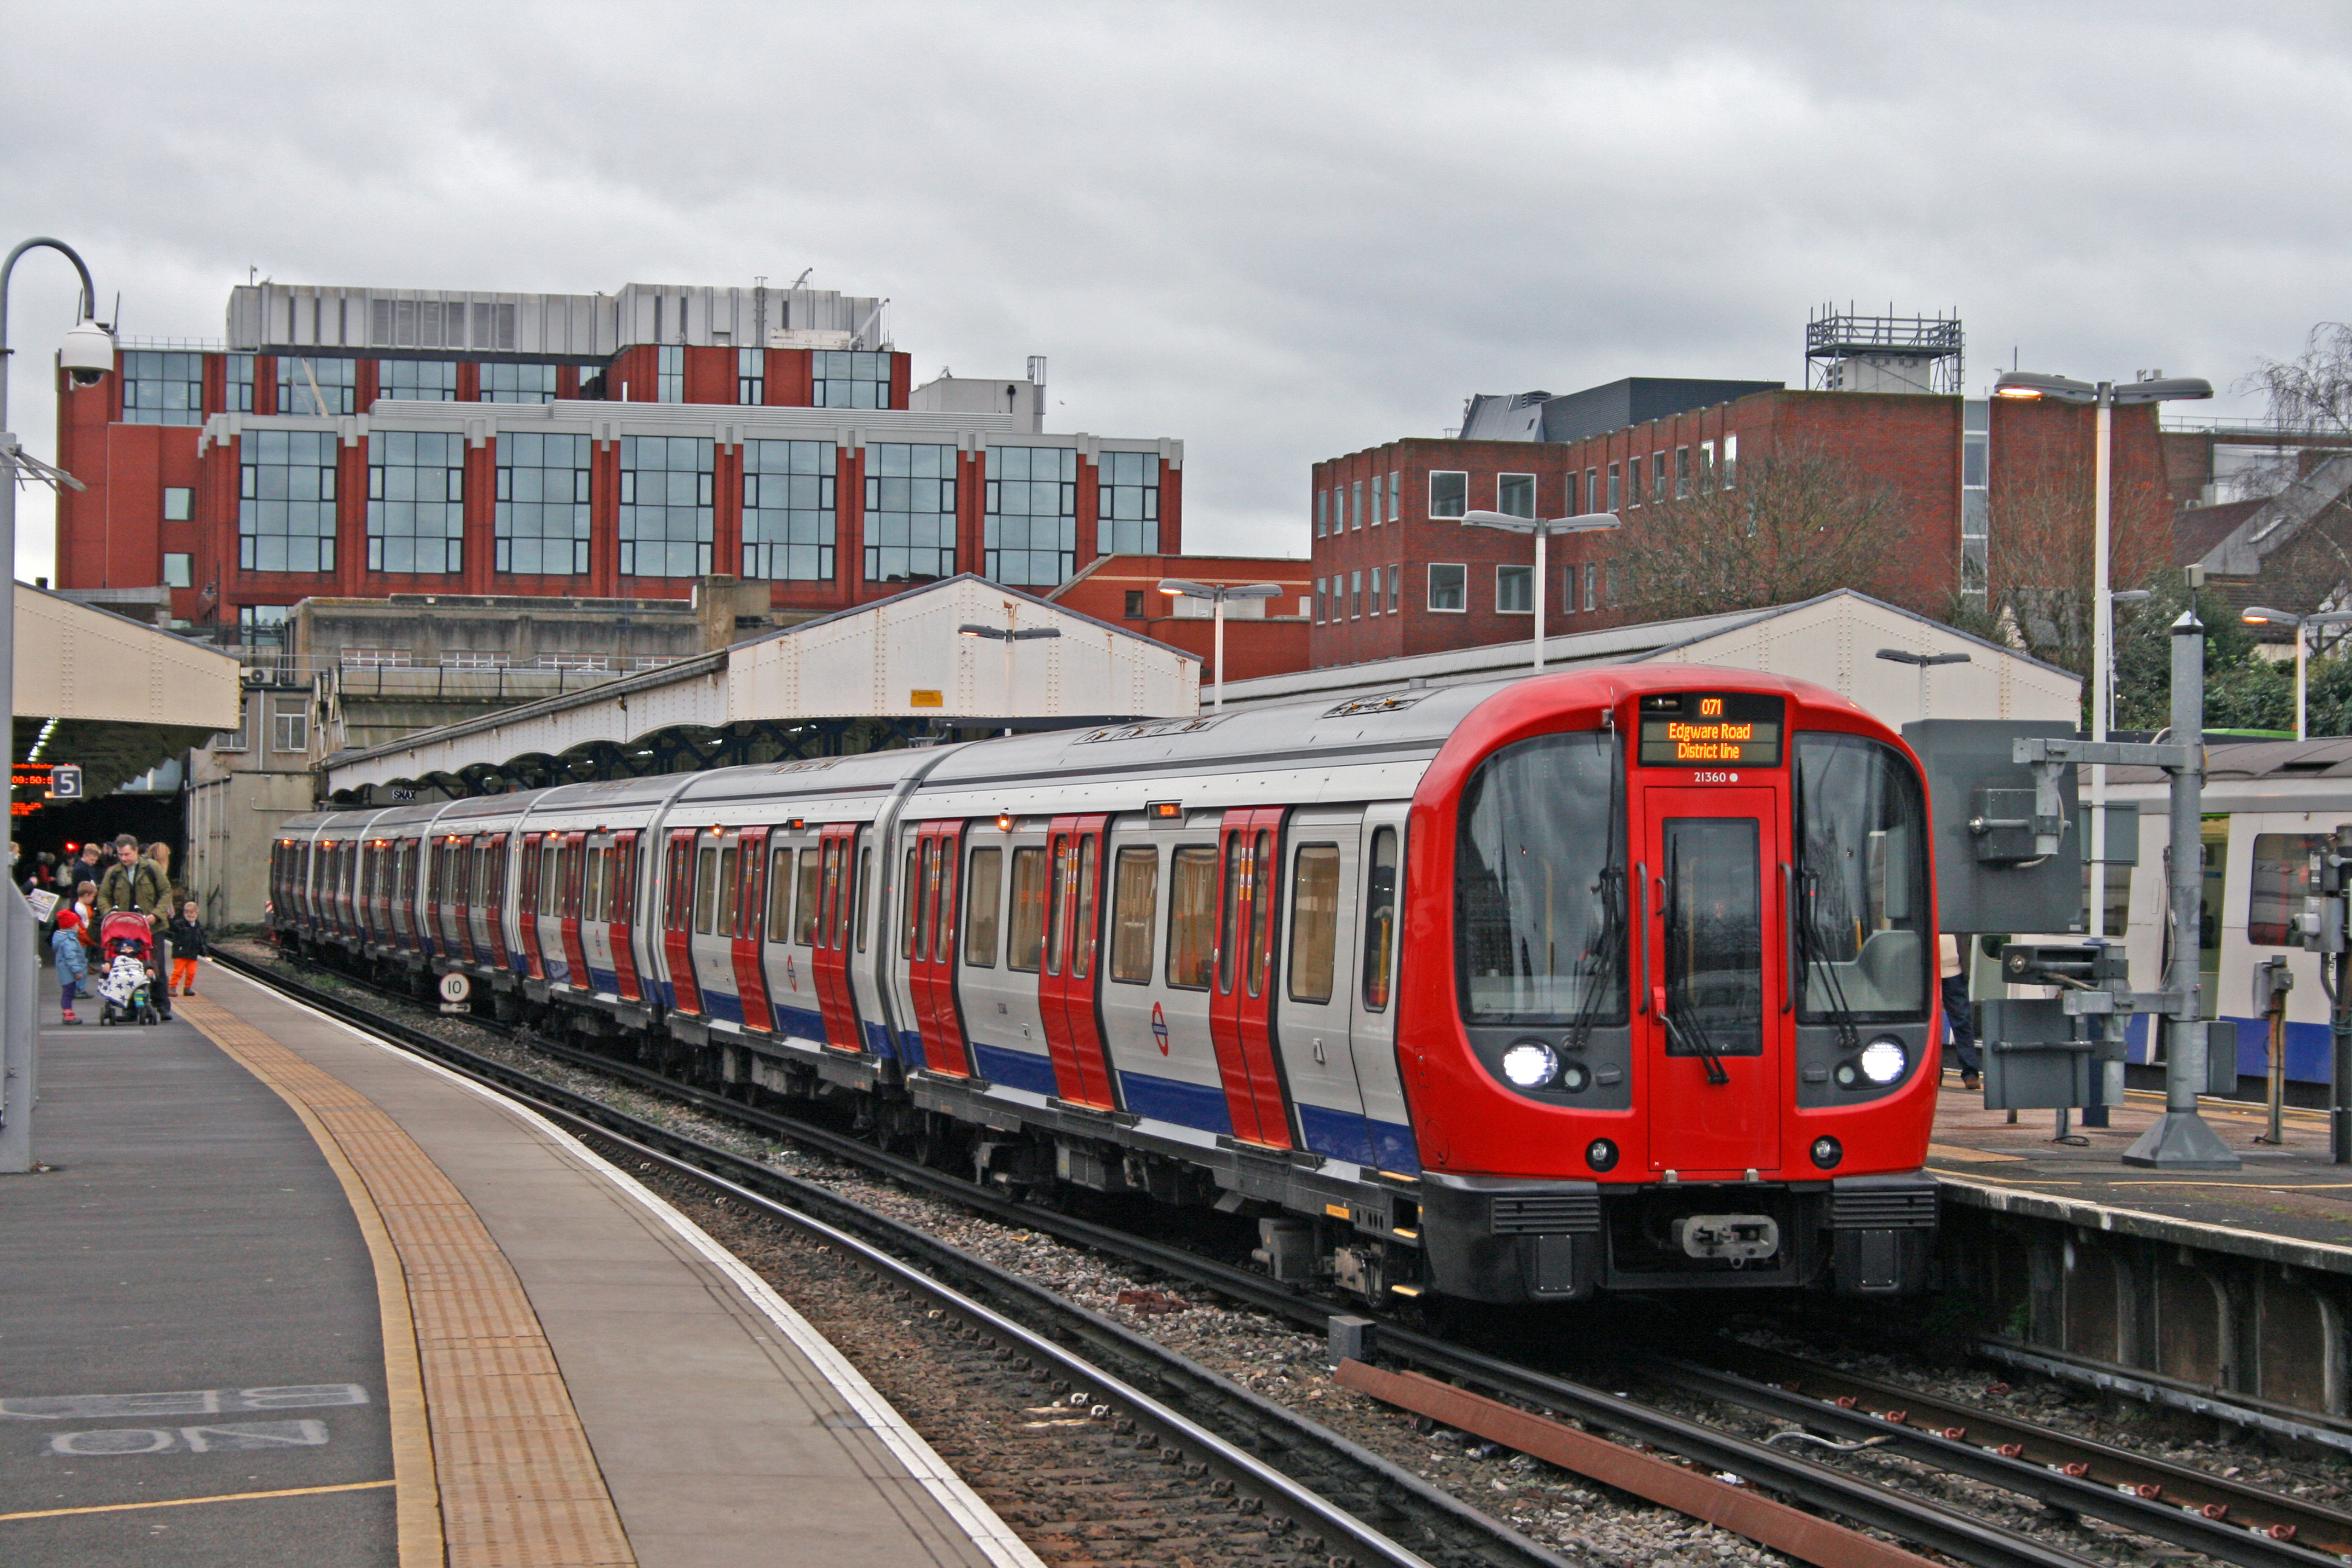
x=115 y=695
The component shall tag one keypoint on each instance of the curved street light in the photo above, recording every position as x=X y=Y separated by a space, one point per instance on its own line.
x=1218 y=595
x=2263 y=616
x=1543 y=528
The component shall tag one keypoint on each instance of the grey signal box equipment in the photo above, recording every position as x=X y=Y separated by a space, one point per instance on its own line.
x=2009 y=850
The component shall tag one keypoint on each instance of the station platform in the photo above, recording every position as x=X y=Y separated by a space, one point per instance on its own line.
x=2284 y=1205
x=285 y=1295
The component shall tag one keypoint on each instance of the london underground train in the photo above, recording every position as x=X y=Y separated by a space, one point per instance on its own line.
x=1604 y=980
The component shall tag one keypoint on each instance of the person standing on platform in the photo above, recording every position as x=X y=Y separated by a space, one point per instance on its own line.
x=135 y=883
x=1959 y=1016
x=187 y=946
x=67 y=944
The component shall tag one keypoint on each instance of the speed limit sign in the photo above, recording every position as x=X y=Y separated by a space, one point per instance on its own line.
x=455 y=989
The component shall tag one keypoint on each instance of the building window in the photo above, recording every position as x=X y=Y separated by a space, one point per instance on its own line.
x=1320 y=589
x=1657 y=476
x=507 y=382
x=417 y=380
x=752 y=379
x=289 y=729
x=1976 y=466
x=1515 y=590
x=178 y=499
x=1568 y=495
x=1376 y=593
x=1592 y=586
x=1445 y=587
x=790 y=521
x=1614 y=504
x=1515 y=494
x=286 y=500
x=162 y=388
x=542 y=504
x=842 y=379
x=232 y=740
x=1134 y=610
x=1356 y=505
x=1730 y=461
x=1449 y=494
x=1706 y=465
x=666 y=506
x=336 y=381
x=1612 y=584
x=669 y=372
x=1322 y=511
x=910 y=504
x=1355 y=595
x=238 y=376
x=262 y=624
x=1593 y=488
x=417 y=493
x=1396 y=585
x=179 y=569
x=1380 y=484
x=1031 y=532
x=1396 y=482
x=1682 y=473
x=1129 y=517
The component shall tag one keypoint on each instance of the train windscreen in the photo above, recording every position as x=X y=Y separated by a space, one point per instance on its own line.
x=1540 y=884
x=1864 y=945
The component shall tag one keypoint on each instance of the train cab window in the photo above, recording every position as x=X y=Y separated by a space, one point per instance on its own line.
x=1026 y=939
x=1862 y=944
x=984 y=887
x=1193 y=917
x=1082 y=933
x=1380 y=919
x=811 y=878
x=910 y=902
x=1314 y=921
x=1134 y=900
x=1539 y=926
x=722 y=923
x=1714 y=938
x=779 y=893
x=706 y=889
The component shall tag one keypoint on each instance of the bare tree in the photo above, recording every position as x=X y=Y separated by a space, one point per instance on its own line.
x=2311 y=394
x=1796 y=525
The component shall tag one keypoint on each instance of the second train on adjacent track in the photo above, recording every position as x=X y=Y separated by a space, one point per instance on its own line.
x=1604 y=980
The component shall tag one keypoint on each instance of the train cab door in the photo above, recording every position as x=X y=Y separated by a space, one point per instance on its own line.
x=750 y=893
x=1241 y=1003
x=574 y=871
x=487 y=891
x=1067 y=986
x=526 y=908
x=934 y=927
x=1709 y=860
x=677 y=913
x=837 y=918
x=620 y=928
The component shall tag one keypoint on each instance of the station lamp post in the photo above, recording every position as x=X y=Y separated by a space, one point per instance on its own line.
x=1219 y=596
x=87 y=353
x=2106 y=397
x=1543 y=528
x=1008 y=634
x=1922 y=662
x=2262 y=616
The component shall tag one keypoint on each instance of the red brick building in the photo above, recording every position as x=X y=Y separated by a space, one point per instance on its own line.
x=360 y=443
x=1263 y=637
x=1396 y=571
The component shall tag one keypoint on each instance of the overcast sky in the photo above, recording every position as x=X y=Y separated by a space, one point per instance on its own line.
x=1276 y=233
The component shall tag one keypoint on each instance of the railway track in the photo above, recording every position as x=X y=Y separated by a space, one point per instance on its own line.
x=2070 y=1477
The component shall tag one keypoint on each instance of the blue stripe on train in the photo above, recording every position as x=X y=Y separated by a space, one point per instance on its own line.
x=722 y=1005
x=910 y=1045
x=799 y=1022
x=1341 y=1134
x=1169 y=1099
x=604 y=979
x=2307 y=1048
x=1016 y=1069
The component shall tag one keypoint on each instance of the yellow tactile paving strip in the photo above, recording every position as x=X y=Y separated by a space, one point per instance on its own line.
x=508 y=1466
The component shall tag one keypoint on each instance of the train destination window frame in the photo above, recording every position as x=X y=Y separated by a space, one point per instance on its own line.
x=1707 y=729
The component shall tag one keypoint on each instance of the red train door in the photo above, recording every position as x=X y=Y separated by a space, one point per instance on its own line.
x=490 y=868
x=1713 y=1057
x=528 y=907
x=1241 y=1005
x=677 y=921
x=750 y=895
x=574 y=865
x=932 y=953
x=1067 y=982
x=411 y=864
x=624 y=883
x=836 y=893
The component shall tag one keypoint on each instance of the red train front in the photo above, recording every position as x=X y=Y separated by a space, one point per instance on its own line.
x=1670 y=1014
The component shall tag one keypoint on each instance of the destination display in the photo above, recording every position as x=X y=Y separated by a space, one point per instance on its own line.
x=1712 y=730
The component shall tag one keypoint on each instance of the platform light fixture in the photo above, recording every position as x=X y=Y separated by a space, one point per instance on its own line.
x=2263 y=616
x=1218 y=595
x=1543 y=528
x=1923 y=662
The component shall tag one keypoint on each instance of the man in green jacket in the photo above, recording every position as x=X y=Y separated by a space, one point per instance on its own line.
x=133 y=882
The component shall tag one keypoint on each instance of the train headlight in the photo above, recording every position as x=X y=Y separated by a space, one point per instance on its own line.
x=1573 y=1078
x=1883 y=1059
x=1530 y=1064
x=1601 y=1154
x=1827 y=1151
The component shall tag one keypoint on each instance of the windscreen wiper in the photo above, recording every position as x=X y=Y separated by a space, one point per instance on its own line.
x=1693 y=1037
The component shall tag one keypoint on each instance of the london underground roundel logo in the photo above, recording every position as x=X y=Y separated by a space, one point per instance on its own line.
x=1160 y=1027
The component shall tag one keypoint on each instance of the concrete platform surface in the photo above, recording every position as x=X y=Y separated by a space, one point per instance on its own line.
x=404 y=1321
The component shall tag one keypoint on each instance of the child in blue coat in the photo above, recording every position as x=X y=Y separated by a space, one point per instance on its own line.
x=66 y=943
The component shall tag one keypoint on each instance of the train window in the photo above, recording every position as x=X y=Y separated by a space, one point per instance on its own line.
x=1539 y=923
x=943 y=905
x=2285 y=871
x=924 y=945
x=1314 y=921
x=727 y=895
x=550 y=890
x=865 y=862
x=910 y=902
x=1261 y=912
x=1862 y=944
x=1082 y=933
x=1026 y=939
x=780 y=894
x=1057 y=909
x=1229 y=932
x=706 y=888
x=1193 y=917
x=983 y=884
x=592 y=899
x=1380 y=919
x=1134 y=899
x=812 y=875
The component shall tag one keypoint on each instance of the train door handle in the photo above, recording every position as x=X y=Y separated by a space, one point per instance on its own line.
x=1642 y=912
x=1796 y=974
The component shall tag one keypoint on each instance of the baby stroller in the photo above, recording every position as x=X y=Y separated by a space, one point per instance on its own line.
x=126 y=946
